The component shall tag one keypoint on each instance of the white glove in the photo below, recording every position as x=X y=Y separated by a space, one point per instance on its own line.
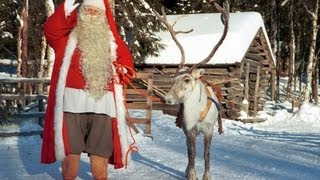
x=69 y=6
x=124 y=70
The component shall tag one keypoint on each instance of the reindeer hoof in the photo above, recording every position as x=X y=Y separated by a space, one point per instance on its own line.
x=191 y=174
x=206 y=176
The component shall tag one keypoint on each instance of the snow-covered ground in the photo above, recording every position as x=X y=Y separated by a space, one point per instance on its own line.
x=286 y=146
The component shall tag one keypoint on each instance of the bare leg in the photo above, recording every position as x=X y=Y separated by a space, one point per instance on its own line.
x=99 y=167
x=70 y=166
x=207 y=144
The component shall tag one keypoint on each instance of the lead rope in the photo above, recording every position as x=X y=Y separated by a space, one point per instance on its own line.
x=119 y=70
x=132 y=146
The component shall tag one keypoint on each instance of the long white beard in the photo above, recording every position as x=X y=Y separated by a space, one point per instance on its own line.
x=94 y=37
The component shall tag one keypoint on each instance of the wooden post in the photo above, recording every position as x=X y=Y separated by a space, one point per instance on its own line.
x=149 y=104
x=246 y=90
x=256 y=95
x=41 y=109
x=241 y=68
x=140 y=97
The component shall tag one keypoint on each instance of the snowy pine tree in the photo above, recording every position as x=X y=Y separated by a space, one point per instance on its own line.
x=192 y=7
x=138 y=26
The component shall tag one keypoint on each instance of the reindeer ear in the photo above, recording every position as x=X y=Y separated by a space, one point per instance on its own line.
x=196 y=73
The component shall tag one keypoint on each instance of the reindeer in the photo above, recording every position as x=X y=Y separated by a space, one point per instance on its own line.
x=196 y=98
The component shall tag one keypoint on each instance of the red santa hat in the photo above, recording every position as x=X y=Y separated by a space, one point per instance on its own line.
x=97 y=3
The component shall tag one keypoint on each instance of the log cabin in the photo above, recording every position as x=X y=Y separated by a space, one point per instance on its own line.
x=243 y=66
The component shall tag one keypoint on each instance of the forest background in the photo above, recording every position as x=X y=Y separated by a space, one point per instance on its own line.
x=292 y=27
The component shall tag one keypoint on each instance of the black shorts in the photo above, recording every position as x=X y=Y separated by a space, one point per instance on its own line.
x=90 y=133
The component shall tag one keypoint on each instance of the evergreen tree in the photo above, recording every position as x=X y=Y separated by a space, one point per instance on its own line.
x=138 y=25
x=8 y=28
x=192 y=7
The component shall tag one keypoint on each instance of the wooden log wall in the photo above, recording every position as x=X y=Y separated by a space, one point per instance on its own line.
x=227 y=77
x=247 y=80
x=256 y=74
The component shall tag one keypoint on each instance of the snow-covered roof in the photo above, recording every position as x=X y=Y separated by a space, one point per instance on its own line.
x=207 y=30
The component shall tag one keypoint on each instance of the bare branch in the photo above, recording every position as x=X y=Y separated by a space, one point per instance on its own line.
x=11 y=53
x=317 y=55
x=304 y=4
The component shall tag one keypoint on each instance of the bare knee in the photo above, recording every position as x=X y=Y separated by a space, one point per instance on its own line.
x=70 y=166
x=99 y=167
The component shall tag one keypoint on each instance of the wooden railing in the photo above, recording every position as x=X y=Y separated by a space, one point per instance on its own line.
x=27 y=96
x=139 y=97
x=11 y=91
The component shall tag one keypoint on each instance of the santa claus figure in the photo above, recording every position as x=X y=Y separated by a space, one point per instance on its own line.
x=85 y=110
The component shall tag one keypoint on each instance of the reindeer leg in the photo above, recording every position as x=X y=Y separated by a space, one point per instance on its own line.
x=207 y=144
x=191 y=145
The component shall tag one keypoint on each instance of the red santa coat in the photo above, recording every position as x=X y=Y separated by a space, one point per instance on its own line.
x=55 y=143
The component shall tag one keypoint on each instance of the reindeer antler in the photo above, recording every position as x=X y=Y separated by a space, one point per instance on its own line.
x=173 y=33
x=225 y=14
x=225 y=20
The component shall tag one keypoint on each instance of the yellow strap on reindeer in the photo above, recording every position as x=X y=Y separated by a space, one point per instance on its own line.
x=204 y=113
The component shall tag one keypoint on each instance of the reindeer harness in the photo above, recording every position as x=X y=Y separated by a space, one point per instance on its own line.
x=210 y=100
x=217 y=91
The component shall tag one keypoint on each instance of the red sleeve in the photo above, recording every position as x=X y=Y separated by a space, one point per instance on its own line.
x=124 y=56
x=56 y=30
x=58 y=26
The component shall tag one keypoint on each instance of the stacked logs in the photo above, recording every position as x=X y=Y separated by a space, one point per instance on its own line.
x=243 y=84
x=257 y=71
x=226 y=77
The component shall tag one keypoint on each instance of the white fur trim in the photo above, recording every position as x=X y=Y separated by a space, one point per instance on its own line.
x=58 y=109
x=122 y=123
x=113 y=46
x=96 y=3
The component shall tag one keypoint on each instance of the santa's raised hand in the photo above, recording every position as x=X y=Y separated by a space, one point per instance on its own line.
x=69 y=6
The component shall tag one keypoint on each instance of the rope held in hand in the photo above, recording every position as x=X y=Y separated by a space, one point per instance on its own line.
x=126 y=74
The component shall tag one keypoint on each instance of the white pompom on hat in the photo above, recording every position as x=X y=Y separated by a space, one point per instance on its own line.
x=96 y=3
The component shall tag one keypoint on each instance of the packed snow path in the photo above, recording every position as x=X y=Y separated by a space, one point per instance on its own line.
x=242 y=152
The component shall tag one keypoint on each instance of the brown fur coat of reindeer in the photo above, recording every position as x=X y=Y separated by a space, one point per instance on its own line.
x=200 y=104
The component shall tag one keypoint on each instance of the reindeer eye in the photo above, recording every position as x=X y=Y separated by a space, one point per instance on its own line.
x=186 y=80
